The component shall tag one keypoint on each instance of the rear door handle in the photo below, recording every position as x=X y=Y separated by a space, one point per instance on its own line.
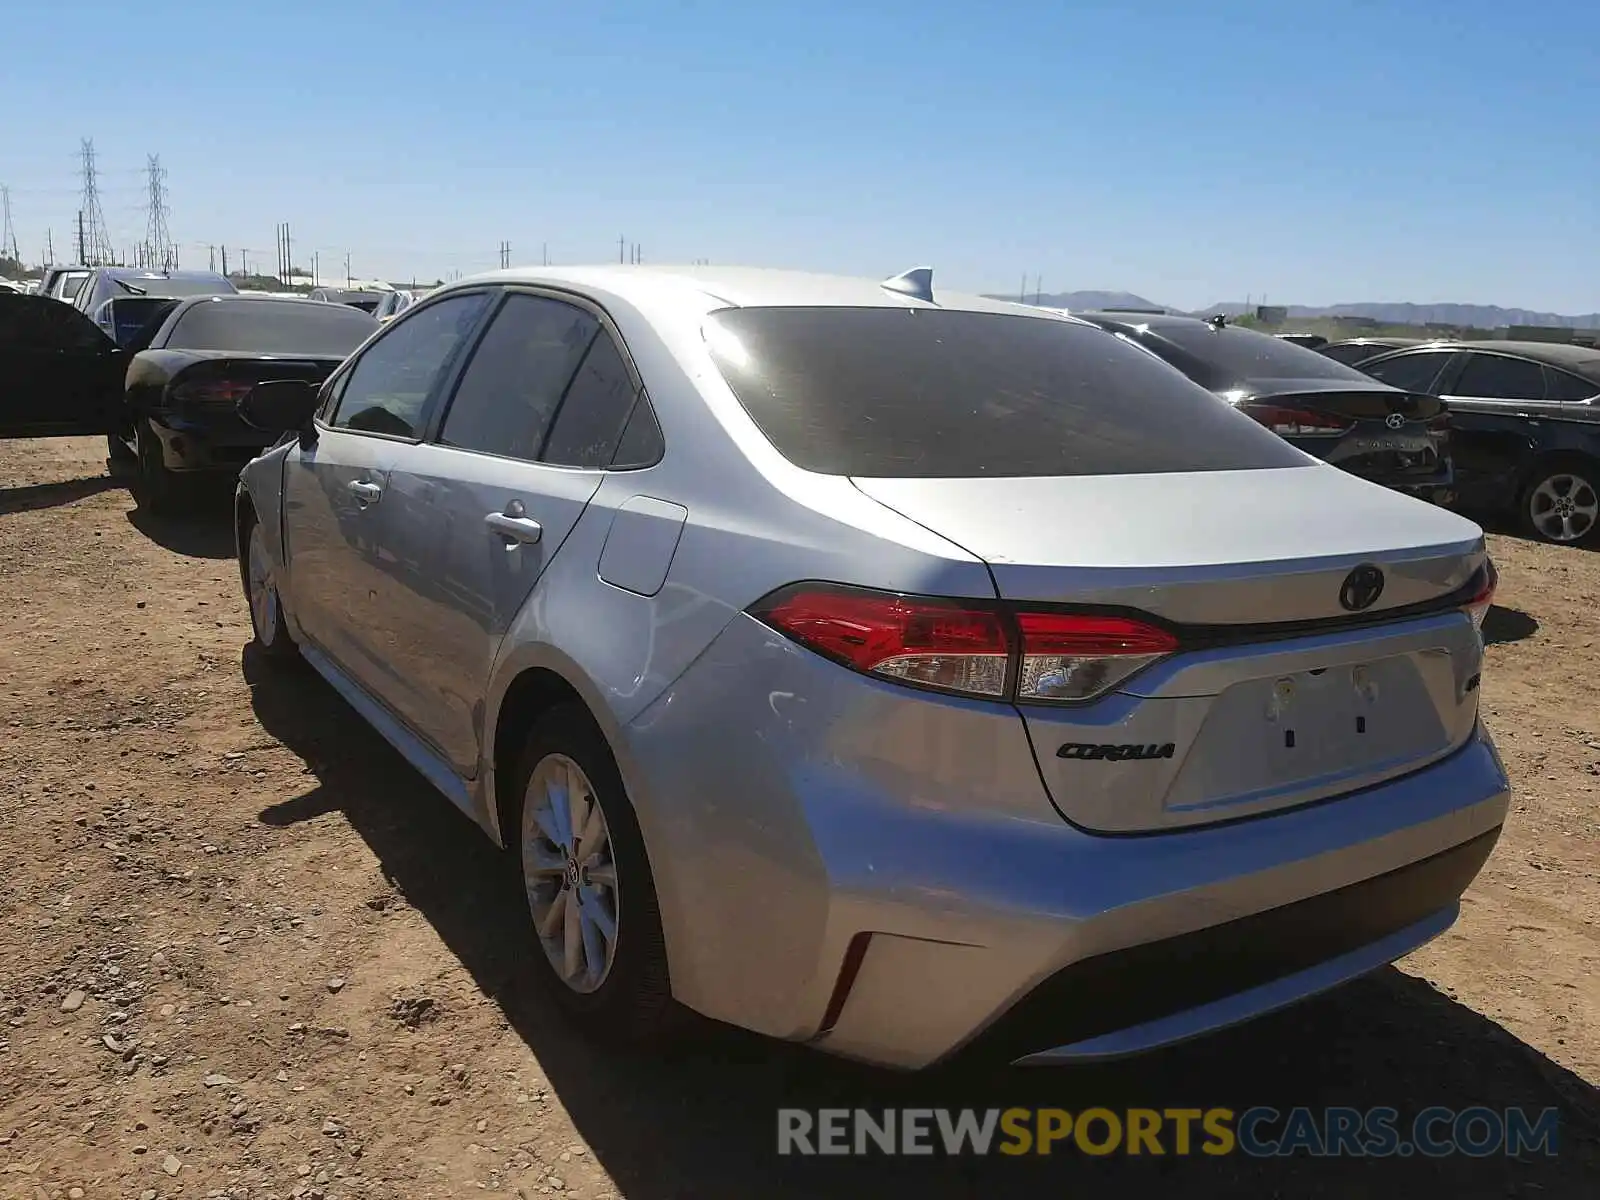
x=366 y=493
x=515 y=529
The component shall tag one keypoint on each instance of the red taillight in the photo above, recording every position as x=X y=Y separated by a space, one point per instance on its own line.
x=970 y=649
x=1483 y=598
x=216 y=392
x=1296 y=422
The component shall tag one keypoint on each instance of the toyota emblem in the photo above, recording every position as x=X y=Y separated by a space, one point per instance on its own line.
x=1395 y=420
x=1361 y=588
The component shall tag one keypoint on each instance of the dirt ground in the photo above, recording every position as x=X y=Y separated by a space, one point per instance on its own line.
x=247 y=952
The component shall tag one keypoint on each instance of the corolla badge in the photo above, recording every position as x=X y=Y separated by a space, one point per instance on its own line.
x=1361 y=588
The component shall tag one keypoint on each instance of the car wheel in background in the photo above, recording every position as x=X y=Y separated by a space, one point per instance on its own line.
x=155 y=487
x=1561 y=502
x=118 y=450
x=266 y=607
x=590 y=892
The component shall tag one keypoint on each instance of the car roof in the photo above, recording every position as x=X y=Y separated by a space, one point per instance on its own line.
x=1580 y=360
x=143 y=273
x=647 y=287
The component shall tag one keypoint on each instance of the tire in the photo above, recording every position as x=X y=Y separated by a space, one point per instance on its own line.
x=1561 y=501
x=621 y=990
x=155 y=487
x=118 y=450
x=272 y=638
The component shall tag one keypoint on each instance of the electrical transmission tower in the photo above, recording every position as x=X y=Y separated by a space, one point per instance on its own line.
x=8 y=236
x=157 y=251
x=94 y=243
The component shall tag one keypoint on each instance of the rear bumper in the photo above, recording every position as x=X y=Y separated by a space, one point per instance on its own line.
x=207 y=442
x=880 y=873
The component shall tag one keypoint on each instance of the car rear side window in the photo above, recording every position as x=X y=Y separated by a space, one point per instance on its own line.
x=513 y=384
x=1350 y=355
x=1564 y=386
x=594 y=411
x=1497 y=377
x=934 y=393
x=388 y=388
x=1411 y=372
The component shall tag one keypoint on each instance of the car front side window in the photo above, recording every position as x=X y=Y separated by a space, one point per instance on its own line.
x=388 y=389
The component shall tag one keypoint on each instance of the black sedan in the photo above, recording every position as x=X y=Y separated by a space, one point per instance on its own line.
x=1525 y=426
x=1395 y=437
x=166 y=397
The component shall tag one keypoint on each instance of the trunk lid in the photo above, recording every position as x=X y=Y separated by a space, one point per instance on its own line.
x=1280 y=695
x=1345 y=398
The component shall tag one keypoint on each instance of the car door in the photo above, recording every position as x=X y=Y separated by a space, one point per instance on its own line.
x=520 y=450
x=335 y=487
x=1497 y=404
x=59 y=375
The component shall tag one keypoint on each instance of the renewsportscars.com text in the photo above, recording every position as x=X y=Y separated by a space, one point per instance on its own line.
x=1259 y=1132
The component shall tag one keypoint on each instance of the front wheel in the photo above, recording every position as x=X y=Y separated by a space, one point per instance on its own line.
x=1561 y=503
x=591 y=895
x=266 y=608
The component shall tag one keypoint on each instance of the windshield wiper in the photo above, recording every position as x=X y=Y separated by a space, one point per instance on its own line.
x=137 y=291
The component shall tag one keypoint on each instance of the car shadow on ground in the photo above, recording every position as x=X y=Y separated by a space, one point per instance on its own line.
x=25 y=497
x=204 y=527
x=1507 y=625
x=701 y=1120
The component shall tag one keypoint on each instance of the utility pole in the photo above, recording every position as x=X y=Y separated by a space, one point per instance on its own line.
x=505 y=255
x=224 y=262
x=621 y=242
x=347 y=276
x=156 y=237
x=49 y=248
x=1038 y=288
x=544 y=253
x=8 y=236
x=244 y=261
x=213 y=250
x=316 y=268
x=1022 y=292
x=94 y=240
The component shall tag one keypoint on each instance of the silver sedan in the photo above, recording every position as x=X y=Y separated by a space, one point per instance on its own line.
x=879 y=668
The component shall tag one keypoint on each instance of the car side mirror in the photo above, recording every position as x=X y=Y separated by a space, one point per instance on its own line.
x=279 y=406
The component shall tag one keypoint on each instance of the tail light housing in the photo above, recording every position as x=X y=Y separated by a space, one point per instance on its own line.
x=1478 y=606
x=213 y=393
x=967 y=648
x=1297 y=422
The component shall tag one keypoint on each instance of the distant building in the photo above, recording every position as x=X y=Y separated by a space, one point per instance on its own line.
x=1272 y=314
x=1538 y=333
x=1354 y=323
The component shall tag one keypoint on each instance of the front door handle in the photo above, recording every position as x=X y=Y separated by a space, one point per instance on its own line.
x=364 y=492
x=514 y=527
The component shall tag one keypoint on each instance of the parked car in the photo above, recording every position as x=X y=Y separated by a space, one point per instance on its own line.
x=1525 y=426
x=1355 y=351
x=142 y=293
x=1311 y=341
x=872 y=670
x=166 y=401
x=62 y=283
x=366 y=301
x=392 y=304
x=1336 y=413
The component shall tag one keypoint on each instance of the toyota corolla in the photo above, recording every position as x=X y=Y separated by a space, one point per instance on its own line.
x=880 y=669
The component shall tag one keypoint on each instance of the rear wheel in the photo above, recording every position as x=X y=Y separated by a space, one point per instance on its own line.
x=266 y=608
x=1561 y=502
x=156 y=488
x=590 y=892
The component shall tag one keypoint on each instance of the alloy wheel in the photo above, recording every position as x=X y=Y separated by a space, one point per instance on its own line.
x=1564 y=507
x=569 y=872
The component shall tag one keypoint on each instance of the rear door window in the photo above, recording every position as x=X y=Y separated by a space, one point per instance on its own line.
x=1499 y=377
x=934 y=393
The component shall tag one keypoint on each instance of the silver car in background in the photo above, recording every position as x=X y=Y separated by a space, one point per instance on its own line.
x=879 y=669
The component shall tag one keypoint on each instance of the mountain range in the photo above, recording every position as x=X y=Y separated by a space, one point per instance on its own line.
x=1480 y=316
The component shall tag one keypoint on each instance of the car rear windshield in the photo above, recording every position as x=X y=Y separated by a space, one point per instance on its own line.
x=930 y=393
x=1226 y=357
x=272 y=327
x=161 y=285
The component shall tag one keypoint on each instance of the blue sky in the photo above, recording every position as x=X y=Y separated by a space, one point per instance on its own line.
x=1411 y=150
